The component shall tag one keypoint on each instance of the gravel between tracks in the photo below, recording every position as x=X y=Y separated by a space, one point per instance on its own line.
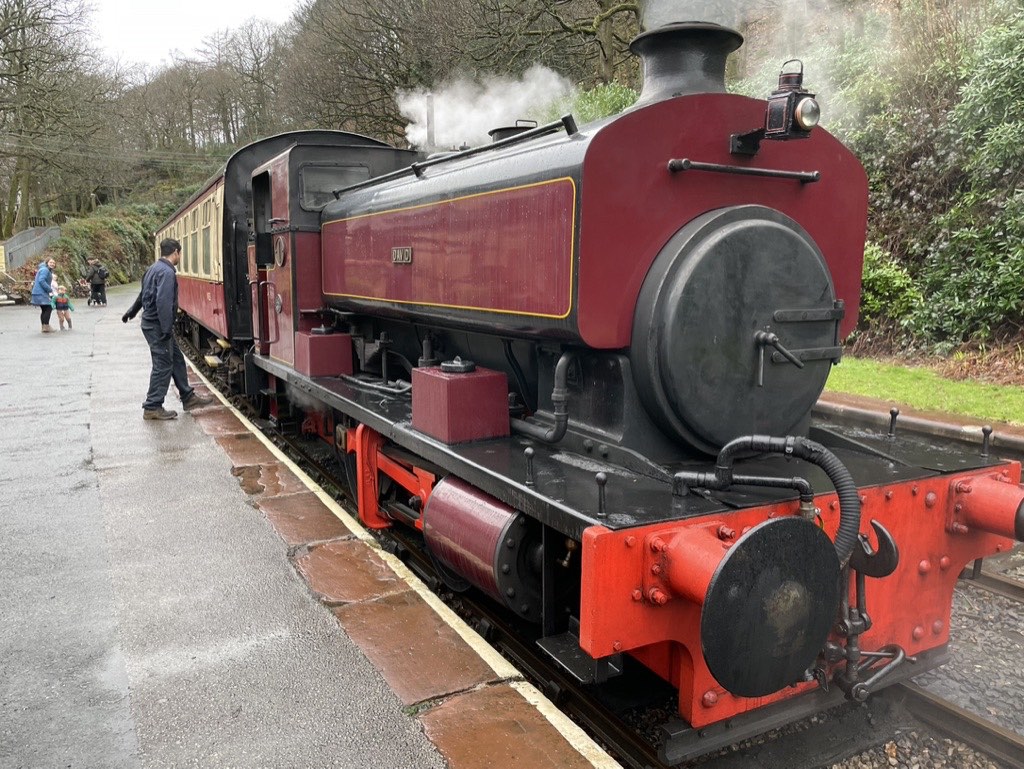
x=1013 y=564
x=986 y=665
x=983 y=675
x=915 y=749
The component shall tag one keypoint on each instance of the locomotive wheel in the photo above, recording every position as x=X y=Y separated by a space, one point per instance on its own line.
x=717 y=283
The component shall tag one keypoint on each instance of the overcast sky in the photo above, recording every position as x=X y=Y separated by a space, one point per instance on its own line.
x=146 y=31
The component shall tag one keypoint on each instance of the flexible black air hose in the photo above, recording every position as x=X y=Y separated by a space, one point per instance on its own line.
x=849 y=497
x=815 y=453
x=801 y=448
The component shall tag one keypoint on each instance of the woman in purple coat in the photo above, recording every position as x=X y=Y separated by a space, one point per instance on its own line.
x=42 y=290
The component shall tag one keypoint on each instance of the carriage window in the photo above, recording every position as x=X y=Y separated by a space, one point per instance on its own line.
x=206 y=250
x=184 y=254
x=318 y=183
x=195 y=251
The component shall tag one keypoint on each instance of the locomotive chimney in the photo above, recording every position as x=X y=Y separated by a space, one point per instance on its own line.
x=684 y=58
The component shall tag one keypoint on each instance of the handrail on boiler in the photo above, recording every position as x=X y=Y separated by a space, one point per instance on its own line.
x=566 y=121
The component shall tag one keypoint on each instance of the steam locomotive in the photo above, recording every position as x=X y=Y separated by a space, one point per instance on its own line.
x=580 y=362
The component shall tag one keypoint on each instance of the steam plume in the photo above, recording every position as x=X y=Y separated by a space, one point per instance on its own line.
x=465 y=110
x=728 y=13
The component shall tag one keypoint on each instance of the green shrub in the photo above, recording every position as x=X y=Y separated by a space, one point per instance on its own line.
x=972 y=274
x=121 y=238
x=602 y=101
x=974 y=277
x=593 y=104
x=888 y=294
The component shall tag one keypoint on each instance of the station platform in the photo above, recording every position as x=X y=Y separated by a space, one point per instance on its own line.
x=177 y=594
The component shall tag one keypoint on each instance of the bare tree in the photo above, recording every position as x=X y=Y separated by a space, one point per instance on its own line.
x=350 y=57
x=586 y=40
x=49 y=92
x=254 y=53
x=223 y=84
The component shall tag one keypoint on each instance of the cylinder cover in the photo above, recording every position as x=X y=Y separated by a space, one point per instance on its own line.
x=720 y=280
x=485 y=542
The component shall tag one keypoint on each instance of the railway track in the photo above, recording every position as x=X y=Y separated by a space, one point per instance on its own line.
x=997 y=583
x=959 y=724
x=626 y=743
x=967 y=436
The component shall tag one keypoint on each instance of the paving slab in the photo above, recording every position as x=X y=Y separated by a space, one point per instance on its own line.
x=421 y=657
x=245 y=450
x=219 y=420
x=347 y=572
x=268 y=479
x=496 y=727
x=302 y=518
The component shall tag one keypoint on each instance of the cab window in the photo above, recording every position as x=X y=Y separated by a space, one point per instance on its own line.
x=317 y=183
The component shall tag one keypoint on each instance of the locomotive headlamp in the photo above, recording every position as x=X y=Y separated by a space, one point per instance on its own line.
x=792 y=111
x=807 y=113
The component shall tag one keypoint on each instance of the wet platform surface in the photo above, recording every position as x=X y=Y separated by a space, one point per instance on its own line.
x=176 y=595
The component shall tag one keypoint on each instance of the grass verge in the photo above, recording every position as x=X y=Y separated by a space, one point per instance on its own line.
x=923 y=389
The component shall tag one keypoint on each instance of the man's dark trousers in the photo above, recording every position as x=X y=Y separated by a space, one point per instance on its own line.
x=168 y=363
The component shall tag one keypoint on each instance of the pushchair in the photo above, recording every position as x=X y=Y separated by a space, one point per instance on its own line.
x=97 y=295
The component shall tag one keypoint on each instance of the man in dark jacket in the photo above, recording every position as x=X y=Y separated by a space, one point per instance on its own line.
x=159 y=306
x=97 y=277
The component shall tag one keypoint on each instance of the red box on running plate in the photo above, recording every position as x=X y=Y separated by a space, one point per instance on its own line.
x=460 y=407
x=323 y=354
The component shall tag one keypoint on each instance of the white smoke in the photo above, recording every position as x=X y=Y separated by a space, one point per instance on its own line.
x=464 y=110
x=739 y=14
x=728 y=13
x=775 y=32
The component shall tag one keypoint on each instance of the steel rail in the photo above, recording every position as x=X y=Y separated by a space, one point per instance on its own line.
x=999 y=584
x=970 y=436
x=962 y=725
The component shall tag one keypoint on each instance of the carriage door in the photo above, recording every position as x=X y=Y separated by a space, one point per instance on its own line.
x=260 y=255
x=270 y=263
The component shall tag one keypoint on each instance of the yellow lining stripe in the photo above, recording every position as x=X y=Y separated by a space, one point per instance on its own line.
x=572 y=251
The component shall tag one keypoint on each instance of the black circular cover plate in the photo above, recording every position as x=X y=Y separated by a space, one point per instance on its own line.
x=716 y=284
x=769 y=607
